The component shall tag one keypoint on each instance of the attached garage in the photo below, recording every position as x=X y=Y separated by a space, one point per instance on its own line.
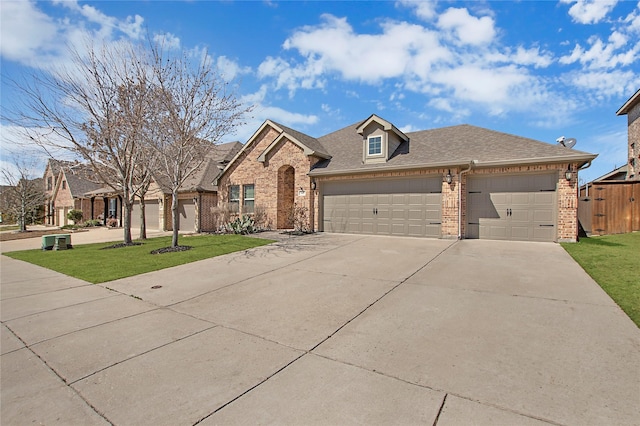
x=405 y=207
x=151 y=212
x=187 y=215
x=512 y=207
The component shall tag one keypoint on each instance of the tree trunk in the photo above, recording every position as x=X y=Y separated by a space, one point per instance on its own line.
x=143 y=220
x=174 y=218
x=126 y=219
x=22 y=220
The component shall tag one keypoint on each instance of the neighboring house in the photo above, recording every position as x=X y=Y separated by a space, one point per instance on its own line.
x=69 y=192
x=50 y=178
x=371 y=178
x=197 y=197
x=610 y=204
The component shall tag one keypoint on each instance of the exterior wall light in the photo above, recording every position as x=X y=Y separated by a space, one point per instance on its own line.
x=449 y=177
x=313 y=185
x=568 y=174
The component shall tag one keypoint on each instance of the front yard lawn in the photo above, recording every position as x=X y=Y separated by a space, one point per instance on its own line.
x=95 y=264
x=613 y=261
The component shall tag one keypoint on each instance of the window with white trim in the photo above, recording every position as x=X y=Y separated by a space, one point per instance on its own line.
x=248 y=199
x=234 y=198
x=374 y=145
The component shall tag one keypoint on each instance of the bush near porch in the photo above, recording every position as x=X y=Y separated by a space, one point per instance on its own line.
x=613 y=261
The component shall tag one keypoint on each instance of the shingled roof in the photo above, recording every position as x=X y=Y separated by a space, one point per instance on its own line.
x=203 y=179
x=80 y=180
x=443 y=147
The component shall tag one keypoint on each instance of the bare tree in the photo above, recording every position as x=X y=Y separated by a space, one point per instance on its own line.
x=96 y=109
x=198 y=110
x=24 y=196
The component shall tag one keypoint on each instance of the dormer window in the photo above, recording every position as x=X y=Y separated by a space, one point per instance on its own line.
x=380 y=139
x=375 y=145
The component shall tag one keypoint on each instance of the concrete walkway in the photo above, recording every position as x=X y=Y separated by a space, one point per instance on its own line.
x=323 y=329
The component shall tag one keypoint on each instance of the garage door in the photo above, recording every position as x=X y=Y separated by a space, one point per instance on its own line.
x=410 y=207
x=151 y=212
x=187 y=215
x=517 y=207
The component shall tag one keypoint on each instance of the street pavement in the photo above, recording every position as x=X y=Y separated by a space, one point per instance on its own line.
x=321 y=329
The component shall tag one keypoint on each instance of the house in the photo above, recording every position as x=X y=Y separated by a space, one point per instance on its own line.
x=72 y=184
x=610 y=204
x=196 y=199
x=50 y=178
x=372 y=178
x=66 y=187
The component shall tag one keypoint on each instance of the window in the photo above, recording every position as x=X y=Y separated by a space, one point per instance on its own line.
x=234 y=198
x=248 y=200
x=49 y=183
x=64 y=184
x=375 y=145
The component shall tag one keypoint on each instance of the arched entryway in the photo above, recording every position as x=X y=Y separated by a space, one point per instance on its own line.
x=286 y=196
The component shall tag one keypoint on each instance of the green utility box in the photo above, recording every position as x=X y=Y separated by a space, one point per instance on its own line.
x=56 y=242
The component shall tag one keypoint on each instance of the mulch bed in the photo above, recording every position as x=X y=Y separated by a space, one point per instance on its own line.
x=171 y=249
x=120 y=245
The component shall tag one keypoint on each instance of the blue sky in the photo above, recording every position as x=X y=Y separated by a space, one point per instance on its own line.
x=538 y=69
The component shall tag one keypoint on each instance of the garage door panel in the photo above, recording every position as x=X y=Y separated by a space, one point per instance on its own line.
x=515 y=207
x=387 y=207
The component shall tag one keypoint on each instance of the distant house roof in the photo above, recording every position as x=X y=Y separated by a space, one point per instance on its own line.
x=203 y=180
x=80 y=180
x=619 y=174
x=631 y=102
x=443 y=147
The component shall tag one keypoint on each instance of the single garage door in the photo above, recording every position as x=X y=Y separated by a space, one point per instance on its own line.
x=187 y=215
x=410 y=207
x=151 y=213
x=516 y=207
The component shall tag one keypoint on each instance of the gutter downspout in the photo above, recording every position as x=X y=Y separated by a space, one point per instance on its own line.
x=588 y=164
x=471 y=163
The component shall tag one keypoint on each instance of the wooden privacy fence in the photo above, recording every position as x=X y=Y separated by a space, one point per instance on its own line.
x=610 y=207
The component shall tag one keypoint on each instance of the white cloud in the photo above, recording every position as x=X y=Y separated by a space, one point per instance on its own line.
x=24 y=30
x=604 y=55
x=32 y=38
x=604 y=84
x=589 y=11
x=466 y=28
x=167 y=40
x=424 y=9
x=229 y=69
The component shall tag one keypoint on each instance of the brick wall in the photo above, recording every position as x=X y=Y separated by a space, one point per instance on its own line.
x=264 y=176
x=567 y=197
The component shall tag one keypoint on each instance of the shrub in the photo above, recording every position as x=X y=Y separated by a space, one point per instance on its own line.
x=300 y=219
x=261 y=219
x=221 y=216
x=75 y=216
x=92 y=223
x=242 y=225
x=112 y=222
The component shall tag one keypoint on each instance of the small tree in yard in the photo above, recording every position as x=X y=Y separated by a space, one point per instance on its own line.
x=98 y=108
x=197 y=111
x=24 y=193
x=75 y=216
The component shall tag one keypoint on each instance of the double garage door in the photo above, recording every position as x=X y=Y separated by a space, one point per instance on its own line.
x=411 y=207
x=517 y=207
x=508 y=207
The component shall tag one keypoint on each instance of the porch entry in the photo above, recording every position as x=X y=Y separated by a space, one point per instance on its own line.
x=286 y=197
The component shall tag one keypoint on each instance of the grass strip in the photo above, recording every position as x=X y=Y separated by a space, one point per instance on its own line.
x=95 y=264
x=613 y=261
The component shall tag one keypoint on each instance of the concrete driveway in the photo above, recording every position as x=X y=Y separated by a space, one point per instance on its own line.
x=323 y=329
